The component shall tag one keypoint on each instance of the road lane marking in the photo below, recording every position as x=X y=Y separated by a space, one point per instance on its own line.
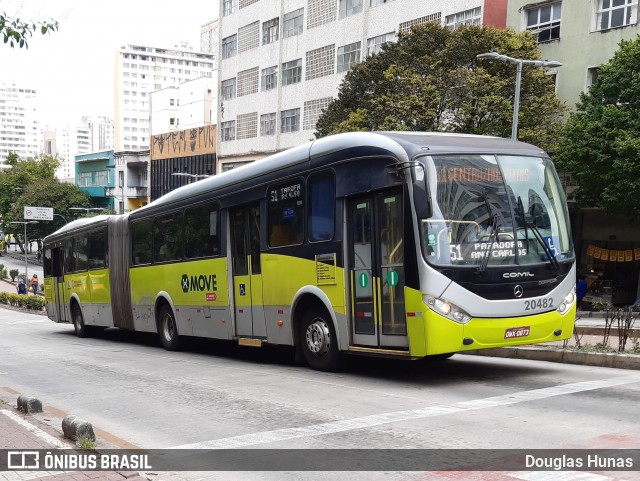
x=36 y=430
x=559 y=476
x=408 y=415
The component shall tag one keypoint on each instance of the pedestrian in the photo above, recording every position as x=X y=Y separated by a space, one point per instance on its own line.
x=21 y=287
x=8 y=244
x=39 y=255
x=581 y=289
x=34 y=284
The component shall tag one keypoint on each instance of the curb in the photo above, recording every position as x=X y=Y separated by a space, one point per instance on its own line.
x=567 y=356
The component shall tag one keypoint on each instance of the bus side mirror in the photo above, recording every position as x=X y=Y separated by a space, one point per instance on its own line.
x=421 y=199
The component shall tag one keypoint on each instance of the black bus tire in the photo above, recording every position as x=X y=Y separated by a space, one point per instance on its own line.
x=78 y=322
x=168 y=329
x=318 y=341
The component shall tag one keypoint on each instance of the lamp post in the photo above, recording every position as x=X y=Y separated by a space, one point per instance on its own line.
x=86 y=210
x=519 y=63
x=65 y=220
x=26 y=265
x=191 y=176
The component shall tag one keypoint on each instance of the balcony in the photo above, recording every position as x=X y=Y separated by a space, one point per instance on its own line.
x=129 y=192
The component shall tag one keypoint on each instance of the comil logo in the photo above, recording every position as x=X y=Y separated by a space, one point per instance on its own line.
x=516 y=275
x=201 y=283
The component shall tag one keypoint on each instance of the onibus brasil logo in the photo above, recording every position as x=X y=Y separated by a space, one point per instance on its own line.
x=200 y=283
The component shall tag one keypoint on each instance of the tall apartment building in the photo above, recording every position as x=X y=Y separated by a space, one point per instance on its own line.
x=210 y=38
x=281 y=61
x=91 y=134
x=141 y=70
x=188 y=105
x=20 y=131
x=580 y=35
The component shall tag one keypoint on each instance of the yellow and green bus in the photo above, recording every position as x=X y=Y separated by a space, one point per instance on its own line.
x=397 y=244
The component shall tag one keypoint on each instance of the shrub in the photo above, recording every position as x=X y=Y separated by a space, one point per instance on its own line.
x=35 y=303
x=13 y=273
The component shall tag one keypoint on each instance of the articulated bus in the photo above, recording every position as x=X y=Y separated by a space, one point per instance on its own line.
x=397 y=244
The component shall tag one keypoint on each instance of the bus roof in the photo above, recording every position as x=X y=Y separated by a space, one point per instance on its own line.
x=402 y=145
x=78 y=224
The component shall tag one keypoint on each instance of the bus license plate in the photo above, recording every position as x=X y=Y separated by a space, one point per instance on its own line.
x=517 y=332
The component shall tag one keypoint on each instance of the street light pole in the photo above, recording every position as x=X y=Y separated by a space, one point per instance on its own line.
x=519 y=63
x=191 y=176
x=26 y=264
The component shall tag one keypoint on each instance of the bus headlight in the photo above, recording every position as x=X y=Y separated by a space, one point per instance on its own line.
x=448 y=310
x=567 y=302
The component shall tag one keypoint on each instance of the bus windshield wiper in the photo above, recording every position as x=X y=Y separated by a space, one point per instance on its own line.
x=538 y=236
x=493 y=222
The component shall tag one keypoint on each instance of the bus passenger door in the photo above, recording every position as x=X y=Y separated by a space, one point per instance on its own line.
x=57 y=260
x=376 y=270
x=247 y=272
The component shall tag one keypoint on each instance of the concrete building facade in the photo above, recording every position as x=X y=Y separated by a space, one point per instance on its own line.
x=281 y=61
x=20 y=130
x=210 y=38
x=140 y=70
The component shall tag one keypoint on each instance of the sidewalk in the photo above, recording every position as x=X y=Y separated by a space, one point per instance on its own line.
x=20 y=431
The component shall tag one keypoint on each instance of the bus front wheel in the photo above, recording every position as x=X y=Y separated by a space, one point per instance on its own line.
x=318 y=341
x=168 y=330
x=78 y=322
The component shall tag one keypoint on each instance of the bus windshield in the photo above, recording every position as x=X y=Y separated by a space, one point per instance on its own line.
x=492 y=210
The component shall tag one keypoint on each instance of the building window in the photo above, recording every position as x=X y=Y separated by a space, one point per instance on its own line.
x=270 y=30
x=349 y=7
x=434 y=17
x=292 y=23
x=348 y=56
x=248 y=82
x=616 y=13
x=269 y=78
x=228 y=89
x=544 y=21
x=292 y=72
x=592 y=77
x=320 y=62
x=229 y=46
x=268 y=124
x=247 y=125
x=374 y=45
x=228 y=131
x=312 y=111
x=375 y=3
x=229 y=6
x=248 y=37
x=321 y=12
x=290 y=121
x=468 y=17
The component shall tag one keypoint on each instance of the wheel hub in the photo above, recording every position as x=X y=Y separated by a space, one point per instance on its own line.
x=318 y=337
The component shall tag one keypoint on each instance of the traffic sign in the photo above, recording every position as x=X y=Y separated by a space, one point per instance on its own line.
x=38 y=213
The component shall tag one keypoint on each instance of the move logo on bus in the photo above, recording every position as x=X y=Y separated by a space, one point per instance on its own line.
x=199 y=283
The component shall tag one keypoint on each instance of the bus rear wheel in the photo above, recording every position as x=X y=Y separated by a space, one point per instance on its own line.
x=78 y=322
x=318 y=341
x=168 y=330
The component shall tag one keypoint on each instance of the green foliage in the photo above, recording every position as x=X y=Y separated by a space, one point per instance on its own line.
x=15 y=32
x=13 y=273
x=32 y=182
x=431 y=80
x=35 y=303
x=600 y=145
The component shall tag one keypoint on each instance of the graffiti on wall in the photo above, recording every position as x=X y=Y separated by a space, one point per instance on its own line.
x=183 y=143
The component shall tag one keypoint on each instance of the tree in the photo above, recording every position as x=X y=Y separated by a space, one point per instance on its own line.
x=600 y=145
x=430 y=80
x=15 y=32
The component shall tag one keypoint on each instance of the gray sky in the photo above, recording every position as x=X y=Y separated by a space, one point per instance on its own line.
x=73 y=69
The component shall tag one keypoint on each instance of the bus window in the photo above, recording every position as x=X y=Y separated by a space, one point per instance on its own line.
x=322 y=199
x=141 y=242
x=167 y=237
x=202 y=231
x=97 y=249
x=80 y=253
x=286 y=214
x=69 y=259
x=47 y=264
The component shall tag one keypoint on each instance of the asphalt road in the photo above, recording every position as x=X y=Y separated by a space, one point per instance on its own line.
x=217 y=395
